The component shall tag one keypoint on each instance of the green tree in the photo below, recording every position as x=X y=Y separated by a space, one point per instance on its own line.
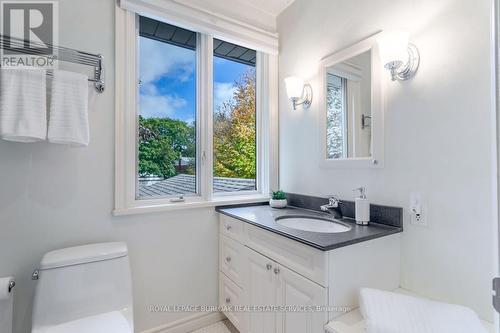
x=164 y=141
x=234 y=132
x=162 y=144
x=156 y=157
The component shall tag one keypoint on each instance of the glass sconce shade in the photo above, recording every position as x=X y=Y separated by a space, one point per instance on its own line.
x=294 y=87
x=398 y=55
x=298 y=92
x=394 y=48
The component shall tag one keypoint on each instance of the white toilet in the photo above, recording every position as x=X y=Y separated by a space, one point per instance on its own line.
x=84 y=289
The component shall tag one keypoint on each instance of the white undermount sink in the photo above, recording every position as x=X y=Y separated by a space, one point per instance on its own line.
x=311 y=223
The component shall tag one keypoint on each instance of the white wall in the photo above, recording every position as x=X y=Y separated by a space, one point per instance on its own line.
x=53 y=196
x=438 y=133
x=241 y=10
x=437 y=142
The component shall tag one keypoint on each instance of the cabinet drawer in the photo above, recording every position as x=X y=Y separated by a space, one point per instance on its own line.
x=303 y=259
x=231 y=259
x=231 y=295
x=231 y=227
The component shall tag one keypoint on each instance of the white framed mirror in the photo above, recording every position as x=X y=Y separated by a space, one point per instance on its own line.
x=352 y=107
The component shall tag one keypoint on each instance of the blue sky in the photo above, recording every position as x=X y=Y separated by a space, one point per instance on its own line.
x=168 y=81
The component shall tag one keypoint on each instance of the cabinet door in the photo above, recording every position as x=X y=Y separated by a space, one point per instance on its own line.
x=295 y=290
x=259 y=290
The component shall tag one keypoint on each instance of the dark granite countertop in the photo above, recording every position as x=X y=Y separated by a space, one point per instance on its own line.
x=263 y=216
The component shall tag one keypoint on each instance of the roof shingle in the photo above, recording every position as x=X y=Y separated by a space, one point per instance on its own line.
x=186 y=184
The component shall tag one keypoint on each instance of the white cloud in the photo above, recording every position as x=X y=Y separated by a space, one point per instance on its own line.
x=159 y=59
x=148 y=89
x=154 y=105
x=223 y=92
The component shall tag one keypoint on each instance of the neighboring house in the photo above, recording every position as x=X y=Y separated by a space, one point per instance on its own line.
x=184 y=163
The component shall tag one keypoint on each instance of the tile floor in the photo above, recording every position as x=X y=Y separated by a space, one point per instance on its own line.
x=220 y=327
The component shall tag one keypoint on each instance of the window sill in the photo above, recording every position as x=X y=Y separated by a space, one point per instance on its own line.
x=223 y=200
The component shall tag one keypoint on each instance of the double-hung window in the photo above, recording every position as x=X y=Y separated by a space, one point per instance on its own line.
x=195 y=123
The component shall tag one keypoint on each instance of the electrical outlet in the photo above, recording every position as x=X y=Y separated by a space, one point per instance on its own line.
x=418 y=219
x=418 y=210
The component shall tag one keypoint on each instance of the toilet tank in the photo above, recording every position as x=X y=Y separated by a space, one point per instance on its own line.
x=83 y=281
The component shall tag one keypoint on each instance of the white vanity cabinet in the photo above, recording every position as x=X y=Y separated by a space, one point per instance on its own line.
x=268 y=283
x=259 y=268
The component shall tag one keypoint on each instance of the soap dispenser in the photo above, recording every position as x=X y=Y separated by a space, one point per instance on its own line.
x=362 y=207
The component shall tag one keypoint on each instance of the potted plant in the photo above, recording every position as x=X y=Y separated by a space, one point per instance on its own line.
x=278 y=199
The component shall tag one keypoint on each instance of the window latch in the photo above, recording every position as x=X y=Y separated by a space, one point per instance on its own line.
x=178 y=199
x=496 y=294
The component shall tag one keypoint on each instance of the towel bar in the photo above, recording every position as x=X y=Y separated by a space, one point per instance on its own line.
x=60 y=53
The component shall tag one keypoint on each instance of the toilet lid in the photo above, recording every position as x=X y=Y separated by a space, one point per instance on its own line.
x=110 y=322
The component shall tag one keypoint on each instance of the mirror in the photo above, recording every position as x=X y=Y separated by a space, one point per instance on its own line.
x=351 y=107
x=348 y=108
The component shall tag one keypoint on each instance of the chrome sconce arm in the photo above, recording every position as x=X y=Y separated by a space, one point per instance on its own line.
x=305 y=100
x=403 y=72
x=400 y=57
x=298 y=92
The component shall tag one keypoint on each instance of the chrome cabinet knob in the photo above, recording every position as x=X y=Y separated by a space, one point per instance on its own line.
x=276 y=270
x=228 y=300
x=228 y=227
x=268 y=267
x=228 y=259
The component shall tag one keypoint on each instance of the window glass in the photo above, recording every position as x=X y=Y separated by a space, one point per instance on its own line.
x=235 y=153
x=336 y=117
x=166 y=126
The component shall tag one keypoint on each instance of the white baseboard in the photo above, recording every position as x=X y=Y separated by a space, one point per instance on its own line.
x=188 y=324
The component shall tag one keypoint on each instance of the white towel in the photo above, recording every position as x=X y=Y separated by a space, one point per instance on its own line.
x=68 y=117
x=23 y=110
x=388 y=312
x=110 y=322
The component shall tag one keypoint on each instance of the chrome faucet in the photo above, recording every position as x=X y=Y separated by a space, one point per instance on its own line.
x=331 y=207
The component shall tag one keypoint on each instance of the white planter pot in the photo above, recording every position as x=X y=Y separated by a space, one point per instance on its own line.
x=278 y=203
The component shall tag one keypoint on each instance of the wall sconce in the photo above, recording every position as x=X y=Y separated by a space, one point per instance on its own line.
x=298 y=92
x=398 y=55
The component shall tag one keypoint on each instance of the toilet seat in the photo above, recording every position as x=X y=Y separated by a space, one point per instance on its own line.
x=110 y=322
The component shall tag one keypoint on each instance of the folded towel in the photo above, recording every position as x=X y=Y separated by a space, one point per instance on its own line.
x=68 y=117
x=387 y=312
x=109 y=322
x=23 y=110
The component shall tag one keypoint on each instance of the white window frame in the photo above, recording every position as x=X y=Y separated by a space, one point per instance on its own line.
x=126 y=104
